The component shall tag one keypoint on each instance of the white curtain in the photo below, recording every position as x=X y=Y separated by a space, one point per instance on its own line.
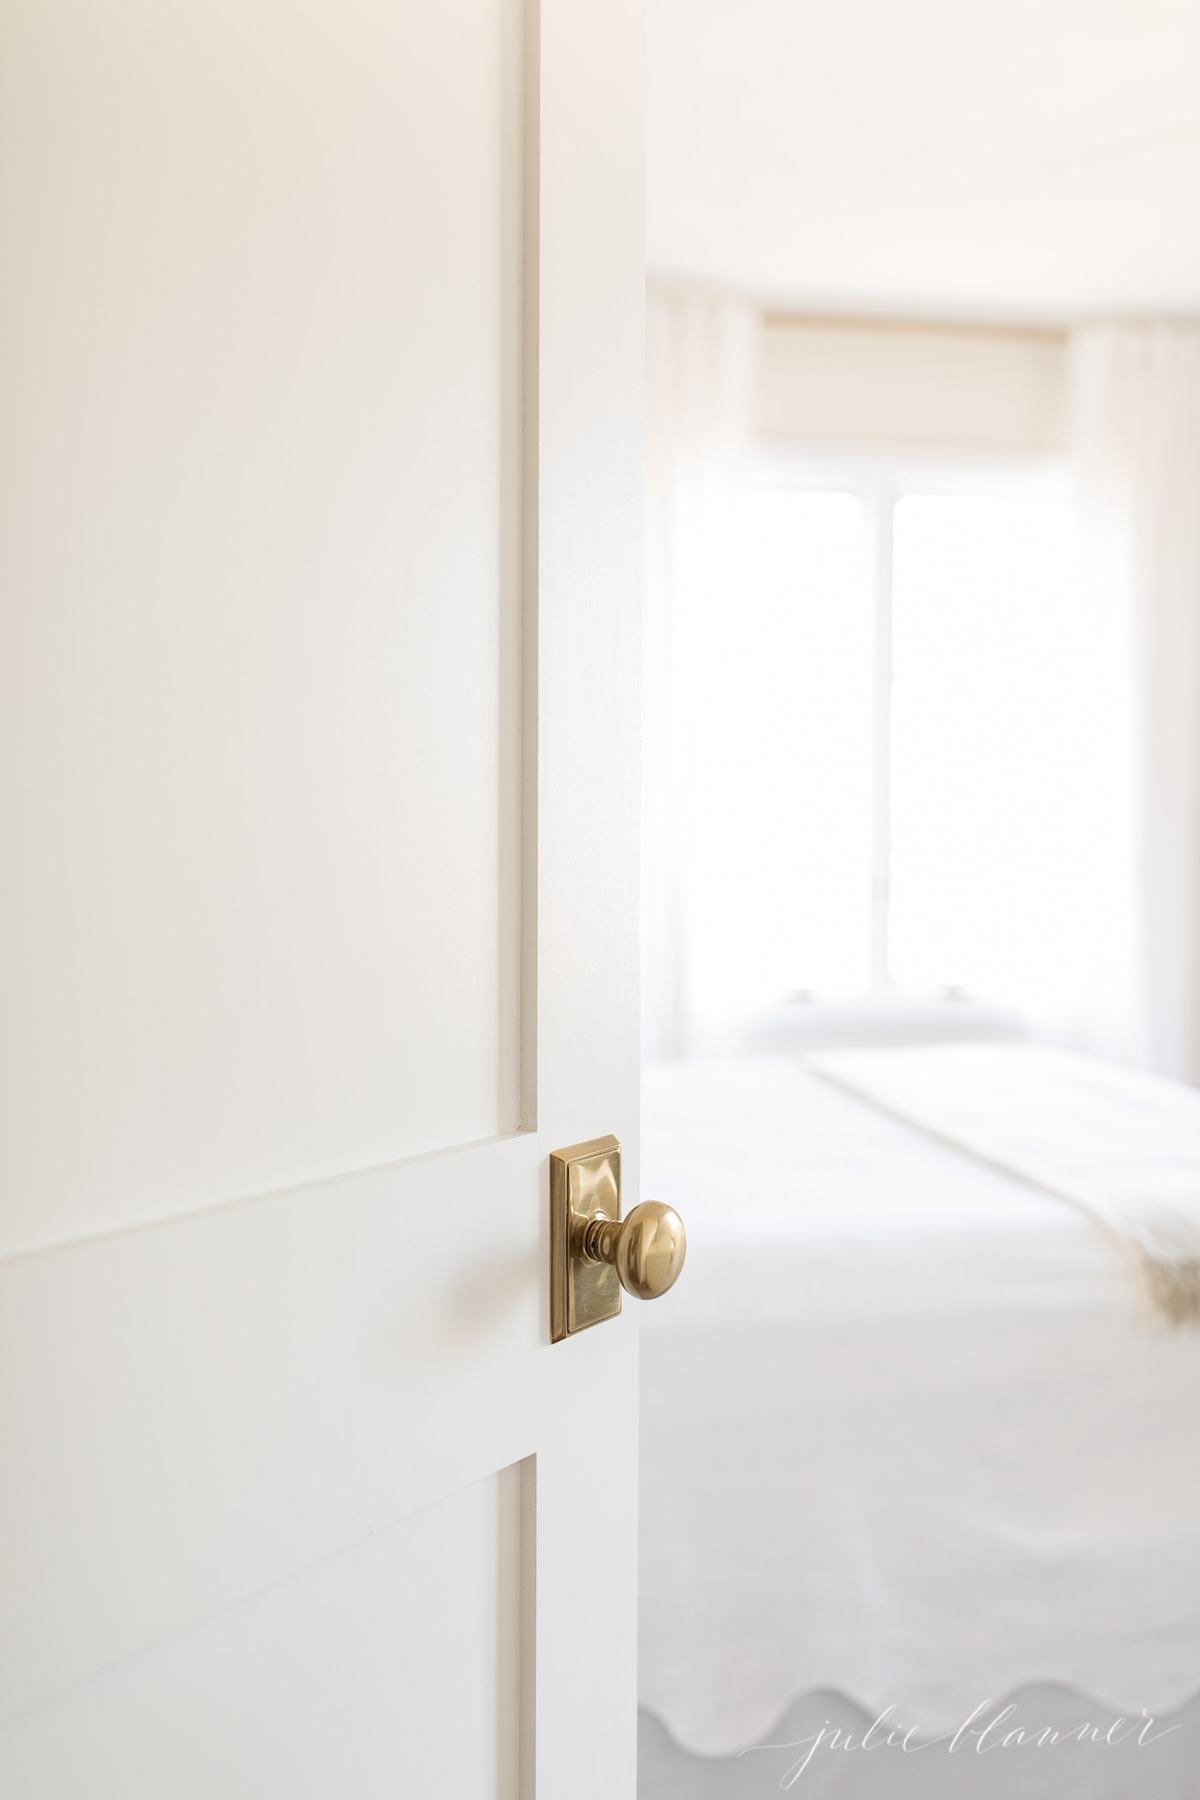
x=701 y=353
x=1136 y=432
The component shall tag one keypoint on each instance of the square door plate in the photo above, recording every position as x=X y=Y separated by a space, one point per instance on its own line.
x=585 y=1179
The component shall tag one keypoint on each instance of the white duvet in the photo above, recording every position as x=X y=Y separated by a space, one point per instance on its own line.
x=905 y=1433
x=1124 y=1147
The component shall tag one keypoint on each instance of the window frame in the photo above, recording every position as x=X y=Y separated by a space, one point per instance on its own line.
x=880 y=478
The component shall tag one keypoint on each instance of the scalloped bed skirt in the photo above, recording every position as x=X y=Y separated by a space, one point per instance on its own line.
x=904 y=1437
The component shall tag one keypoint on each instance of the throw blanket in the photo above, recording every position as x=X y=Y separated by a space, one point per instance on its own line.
x=1125 y=1147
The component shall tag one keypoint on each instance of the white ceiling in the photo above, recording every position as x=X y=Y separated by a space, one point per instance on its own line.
x=981 y=158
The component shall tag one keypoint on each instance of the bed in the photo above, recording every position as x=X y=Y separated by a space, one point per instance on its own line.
x=907 y=1438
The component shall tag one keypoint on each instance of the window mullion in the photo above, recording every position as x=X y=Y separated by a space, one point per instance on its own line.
x=881 y=515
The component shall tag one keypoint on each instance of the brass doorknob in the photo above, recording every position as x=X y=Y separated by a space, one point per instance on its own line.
x=594 y=1252
x=646 y=1248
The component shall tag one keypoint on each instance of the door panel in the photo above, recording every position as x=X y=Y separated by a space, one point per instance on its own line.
x=263 y=340
x=195 y=1410
x=321 y=474
x=327 y=1662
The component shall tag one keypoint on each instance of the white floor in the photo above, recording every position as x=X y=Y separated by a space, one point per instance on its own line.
x=1162 y=1769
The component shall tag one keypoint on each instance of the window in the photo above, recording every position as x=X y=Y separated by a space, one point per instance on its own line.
x=886 y=774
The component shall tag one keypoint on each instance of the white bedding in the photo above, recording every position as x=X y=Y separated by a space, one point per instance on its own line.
x=904 y=1434
x=1122 y=1146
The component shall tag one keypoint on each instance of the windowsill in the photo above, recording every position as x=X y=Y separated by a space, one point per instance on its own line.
x=820 y=1024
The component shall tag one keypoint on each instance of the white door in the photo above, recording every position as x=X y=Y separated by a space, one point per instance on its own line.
x=320 y=478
